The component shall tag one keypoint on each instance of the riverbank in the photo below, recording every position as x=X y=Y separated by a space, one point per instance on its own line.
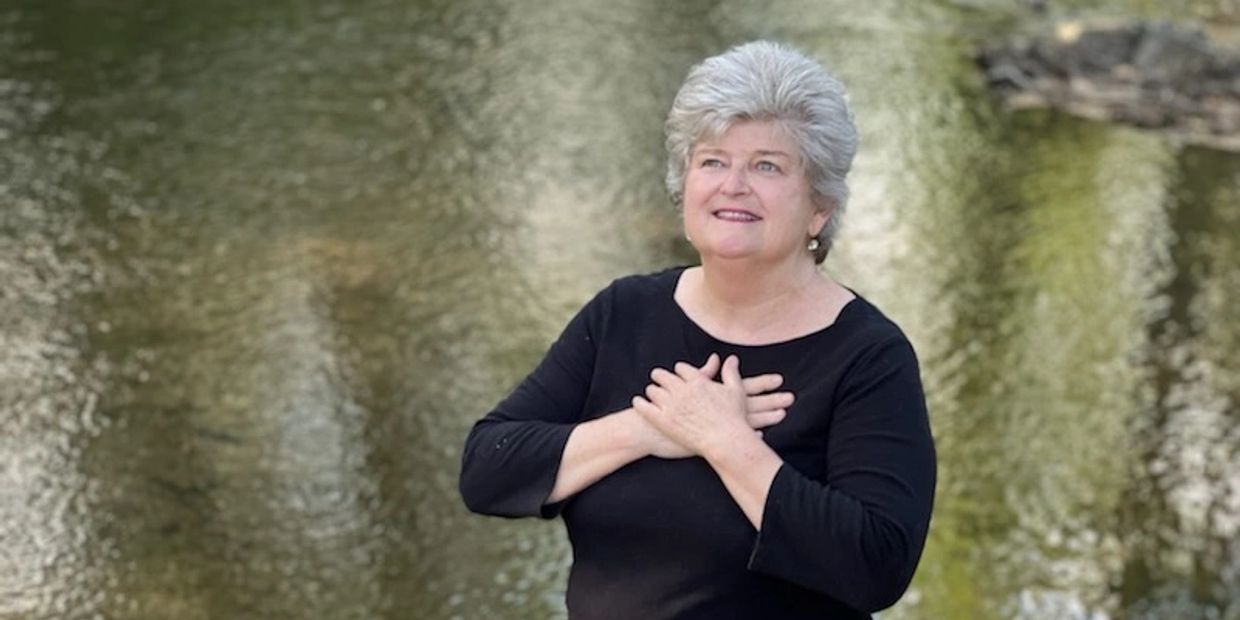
x=1169 y=77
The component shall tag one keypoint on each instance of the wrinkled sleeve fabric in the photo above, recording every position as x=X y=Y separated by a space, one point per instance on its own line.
x=512 y=455
x=857 y=531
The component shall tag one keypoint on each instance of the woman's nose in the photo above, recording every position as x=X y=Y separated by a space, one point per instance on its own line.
x=736 y=182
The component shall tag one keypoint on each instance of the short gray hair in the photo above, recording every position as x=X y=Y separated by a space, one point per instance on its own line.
x=765 y=81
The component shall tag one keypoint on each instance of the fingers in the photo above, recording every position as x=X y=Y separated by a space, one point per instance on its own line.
x=644 y=407
x=766 y=418
x=767 y=402
x=662 y=377
x=686 y=371
x=711 y=367
x=732 y=371
x=683 y=371
x=655 y=393
x=762 y=383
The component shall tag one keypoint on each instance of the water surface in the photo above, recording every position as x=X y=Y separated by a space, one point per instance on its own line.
x=264 y=264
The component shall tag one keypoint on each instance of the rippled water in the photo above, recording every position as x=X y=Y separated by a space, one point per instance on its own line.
x=263 y=264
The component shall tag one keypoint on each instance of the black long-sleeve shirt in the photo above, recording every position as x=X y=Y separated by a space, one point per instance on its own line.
x=846 y=516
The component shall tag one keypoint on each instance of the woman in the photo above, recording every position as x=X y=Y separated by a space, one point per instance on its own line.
x=791 y=474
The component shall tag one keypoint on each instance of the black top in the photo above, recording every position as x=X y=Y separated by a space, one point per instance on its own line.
x=846 y=516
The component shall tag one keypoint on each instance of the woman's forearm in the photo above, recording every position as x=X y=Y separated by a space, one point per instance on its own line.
x=594 y=450
x=746 y=466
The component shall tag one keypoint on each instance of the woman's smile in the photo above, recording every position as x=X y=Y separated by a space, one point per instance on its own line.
x=737 y=215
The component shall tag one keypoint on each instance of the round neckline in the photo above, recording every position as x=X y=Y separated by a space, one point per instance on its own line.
x=857 y=300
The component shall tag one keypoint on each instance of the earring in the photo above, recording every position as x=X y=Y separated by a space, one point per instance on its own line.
x=813 y=244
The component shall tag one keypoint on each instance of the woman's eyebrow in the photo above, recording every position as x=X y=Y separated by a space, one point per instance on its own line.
x=713 y=150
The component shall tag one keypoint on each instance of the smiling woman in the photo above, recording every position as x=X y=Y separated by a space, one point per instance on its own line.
x=746 y=196
x=799 y=488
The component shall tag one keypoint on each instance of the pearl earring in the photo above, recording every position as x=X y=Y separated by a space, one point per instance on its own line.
x=813 y=244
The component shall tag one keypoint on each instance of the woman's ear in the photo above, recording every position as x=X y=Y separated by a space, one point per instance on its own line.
x=819 y=220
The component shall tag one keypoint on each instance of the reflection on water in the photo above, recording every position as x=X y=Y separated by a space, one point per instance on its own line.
x=264 y=264
x=1183 y=511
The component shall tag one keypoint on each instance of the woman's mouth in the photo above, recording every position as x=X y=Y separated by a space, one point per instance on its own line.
x=736 y=215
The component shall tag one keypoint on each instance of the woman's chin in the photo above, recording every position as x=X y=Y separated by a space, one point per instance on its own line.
x=730 y=252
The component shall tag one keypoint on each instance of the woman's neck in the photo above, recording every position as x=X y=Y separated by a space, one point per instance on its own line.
x=741 y=301
x=735 y=287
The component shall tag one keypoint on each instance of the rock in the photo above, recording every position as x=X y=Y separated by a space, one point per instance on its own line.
x=1147 y=74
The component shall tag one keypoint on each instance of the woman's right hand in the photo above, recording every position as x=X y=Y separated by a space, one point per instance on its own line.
x=765 y=408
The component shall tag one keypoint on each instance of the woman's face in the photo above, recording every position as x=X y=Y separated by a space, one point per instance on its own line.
x=747 y=197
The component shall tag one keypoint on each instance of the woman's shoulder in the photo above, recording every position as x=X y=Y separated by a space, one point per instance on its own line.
x=633 y=297
x=654 y=279
x=868 y=326
x=643 y=287
x=634 y=302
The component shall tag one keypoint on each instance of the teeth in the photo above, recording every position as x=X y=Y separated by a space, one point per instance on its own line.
x=738 y=216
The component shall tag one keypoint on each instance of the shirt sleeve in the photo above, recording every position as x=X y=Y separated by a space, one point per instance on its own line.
x=512 y=455
x=857 y=533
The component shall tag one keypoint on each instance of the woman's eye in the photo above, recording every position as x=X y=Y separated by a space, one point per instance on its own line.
x=766 y=166
x=711 y=162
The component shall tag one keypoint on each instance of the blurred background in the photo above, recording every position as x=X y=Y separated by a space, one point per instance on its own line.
x=262 y=265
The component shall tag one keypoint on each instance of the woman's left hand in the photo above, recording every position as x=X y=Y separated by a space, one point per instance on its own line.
x=695 y=411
